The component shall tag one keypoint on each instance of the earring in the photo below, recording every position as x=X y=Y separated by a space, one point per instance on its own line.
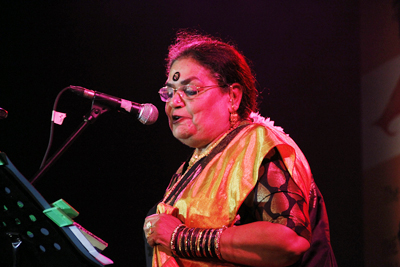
x=233 y=117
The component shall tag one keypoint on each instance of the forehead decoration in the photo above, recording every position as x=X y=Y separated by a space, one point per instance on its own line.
x=176 y=76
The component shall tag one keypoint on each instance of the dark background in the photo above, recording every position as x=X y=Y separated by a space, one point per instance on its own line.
x=305 y=54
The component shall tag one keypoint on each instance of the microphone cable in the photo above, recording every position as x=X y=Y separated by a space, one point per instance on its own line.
x=52 y=127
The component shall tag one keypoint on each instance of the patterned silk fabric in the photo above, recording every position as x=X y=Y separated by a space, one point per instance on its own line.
x=277 y=199
x=212 y=191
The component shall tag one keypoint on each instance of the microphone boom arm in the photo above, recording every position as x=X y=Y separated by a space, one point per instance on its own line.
x=89 y=118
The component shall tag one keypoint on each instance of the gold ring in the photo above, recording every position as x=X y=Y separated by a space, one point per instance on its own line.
x=149 y=232
x=148 y=225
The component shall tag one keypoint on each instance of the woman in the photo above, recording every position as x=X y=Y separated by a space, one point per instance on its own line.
x=246 y=196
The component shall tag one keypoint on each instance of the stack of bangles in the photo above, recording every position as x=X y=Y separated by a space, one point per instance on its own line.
x=196 y=242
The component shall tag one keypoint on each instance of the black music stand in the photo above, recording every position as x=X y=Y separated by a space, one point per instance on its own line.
x=28 y=238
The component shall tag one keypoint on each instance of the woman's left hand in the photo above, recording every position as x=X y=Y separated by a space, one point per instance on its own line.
x=158 y=229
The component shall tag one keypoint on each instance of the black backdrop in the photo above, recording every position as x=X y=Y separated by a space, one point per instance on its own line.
x=305 y=54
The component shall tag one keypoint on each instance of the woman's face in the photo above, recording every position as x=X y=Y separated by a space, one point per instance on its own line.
x=196 y=122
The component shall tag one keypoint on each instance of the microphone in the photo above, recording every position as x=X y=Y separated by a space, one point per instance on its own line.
x=146 y=113
x=3 y=113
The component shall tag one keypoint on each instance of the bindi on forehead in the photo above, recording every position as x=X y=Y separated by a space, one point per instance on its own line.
x=176 y=76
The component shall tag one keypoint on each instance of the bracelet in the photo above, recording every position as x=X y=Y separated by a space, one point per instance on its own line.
x=217 y=242
x=196 y=242
x=182 y=243
x=193 y=240
x=188 y=241
x=173 y=238
x=211 y=248
x=204 y=243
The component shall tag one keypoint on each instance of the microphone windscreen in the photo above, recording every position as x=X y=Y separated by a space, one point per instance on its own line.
x=148 y=115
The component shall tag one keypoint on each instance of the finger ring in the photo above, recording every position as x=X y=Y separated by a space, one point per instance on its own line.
x=149 y=232
x=148 y=224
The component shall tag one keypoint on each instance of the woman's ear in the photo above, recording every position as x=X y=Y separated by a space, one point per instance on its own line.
x=235 y=93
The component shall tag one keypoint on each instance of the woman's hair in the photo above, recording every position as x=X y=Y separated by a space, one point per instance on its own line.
x=224 y=61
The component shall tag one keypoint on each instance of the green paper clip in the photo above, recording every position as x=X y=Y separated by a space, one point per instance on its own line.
x=58 y=216
x=61 y=213
x=66 y=208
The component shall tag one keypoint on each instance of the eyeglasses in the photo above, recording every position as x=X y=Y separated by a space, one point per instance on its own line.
x=189 y=91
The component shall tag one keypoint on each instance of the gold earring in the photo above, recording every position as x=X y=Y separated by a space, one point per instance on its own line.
x=233 y=117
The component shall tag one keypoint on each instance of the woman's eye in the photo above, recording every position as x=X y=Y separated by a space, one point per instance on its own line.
x=170 y=93
x=189 y=91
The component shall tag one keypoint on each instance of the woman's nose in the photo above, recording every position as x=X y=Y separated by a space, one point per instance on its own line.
x=177 y=99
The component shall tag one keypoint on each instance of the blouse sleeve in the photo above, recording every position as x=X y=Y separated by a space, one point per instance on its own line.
x=276 y=198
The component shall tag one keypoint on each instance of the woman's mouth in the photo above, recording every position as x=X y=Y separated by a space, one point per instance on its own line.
x=175 y=118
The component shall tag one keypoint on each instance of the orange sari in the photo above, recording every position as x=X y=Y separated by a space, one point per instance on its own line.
x=216 y=191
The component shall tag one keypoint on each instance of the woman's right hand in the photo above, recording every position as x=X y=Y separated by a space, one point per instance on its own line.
x=158 y=229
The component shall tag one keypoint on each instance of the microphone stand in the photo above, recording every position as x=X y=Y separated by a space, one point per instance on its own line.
x=90 y=117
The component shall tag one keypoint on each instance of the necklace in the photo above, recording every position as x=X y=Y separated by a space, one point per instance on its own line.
x=197 y=155
x=201 y=153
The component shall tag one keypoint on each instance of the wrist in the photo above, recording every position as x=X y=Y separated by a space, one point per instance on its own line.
x=196 y=242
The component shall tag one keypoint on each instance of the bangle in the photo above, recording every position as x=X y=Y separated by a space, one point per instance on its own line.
x=188 y=242
x=174 y=238
x=217 y=241
x=211 y=247
x=182 y=243
x=193 y=240
x=196 y=242
x=204 y=243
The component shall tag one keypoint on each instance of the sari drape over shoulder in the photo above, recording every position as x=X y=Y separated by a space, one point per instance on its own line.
x=218 y=184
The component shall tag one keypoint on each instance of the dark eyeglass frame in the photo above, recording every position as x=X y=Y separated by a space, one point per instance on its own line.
x=168 y=92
